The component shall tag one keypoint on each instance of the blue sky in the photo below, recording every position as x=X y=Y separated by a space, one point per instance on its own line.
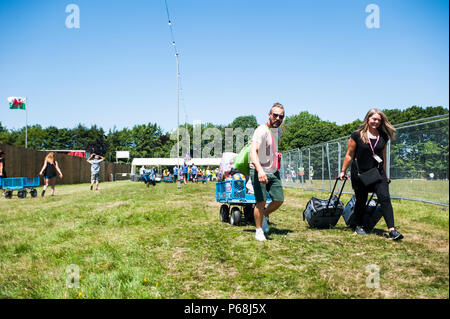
x=237 y=57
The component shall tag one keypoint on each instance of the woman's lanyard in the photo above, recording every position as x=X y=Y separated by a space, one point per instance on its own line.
x=375 y=156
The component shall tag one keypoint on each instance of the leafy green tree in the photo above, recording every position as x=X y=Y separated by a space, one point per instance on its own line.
x=305 y=129
x=244 y=122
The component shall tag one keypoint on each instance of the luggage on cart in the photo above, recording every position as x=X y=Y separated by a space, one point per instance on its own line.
x=324 y=213
x=371 y=215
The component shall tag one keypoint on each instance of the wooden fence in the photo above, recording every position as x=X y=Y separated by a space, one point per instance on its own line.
x=21 y=162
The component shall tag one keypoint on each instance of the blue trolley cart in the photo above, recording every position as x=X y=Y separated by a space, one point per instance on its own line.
x=20 y=184
x=235 y=200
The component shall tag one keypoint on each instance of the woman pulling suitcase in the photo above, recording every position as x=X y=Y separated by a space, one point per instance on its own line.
x=367 y=153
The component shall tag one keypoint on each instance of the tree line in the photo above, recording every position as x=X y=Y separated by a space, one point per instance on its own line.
x=149 y=140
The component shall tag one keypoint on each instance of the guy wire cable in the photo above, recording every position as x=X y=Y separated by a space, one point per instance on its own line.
x=180 y=88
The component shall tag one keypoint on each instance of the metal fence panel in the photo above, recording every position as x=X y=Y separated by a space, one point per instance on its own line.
x=417 y=162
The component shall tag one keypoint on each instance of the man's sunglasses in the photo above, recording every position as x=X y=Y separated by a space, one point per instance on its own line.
x=280 y=116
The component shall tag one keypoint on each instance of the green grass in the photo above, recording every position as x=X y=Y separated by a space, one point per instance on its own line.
x=132 y=242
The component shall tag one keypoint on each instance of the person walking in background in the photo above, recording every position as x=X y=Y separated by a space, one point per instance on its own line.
x=194 y=170
x=208 y=174
x=184 y=170
x=175 y=173
x=49 y=170
x=367 y=150
x=153 y=176
x=95 y=161
x=146 y=174
x=264 y=169
x=2 y=168
x=311 y=174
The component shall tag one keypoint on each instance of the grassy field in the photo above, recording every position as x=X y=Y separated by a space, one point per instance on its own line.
x=128 y=241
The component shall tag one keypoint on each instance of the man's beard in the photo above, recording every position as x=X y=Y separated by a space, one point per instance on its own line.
x=275 y=123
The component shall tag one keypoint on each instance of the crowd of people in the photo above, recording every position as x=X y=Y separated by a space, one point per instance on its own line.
x=366 y=153
x=184 y=173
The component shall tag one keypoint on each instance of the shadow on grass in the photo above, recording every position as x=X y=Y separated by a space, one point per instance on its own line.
x=273 y=231
x=379 y=232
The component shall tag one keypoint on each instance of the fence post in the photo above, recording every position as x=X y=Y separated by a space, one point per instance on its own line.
x=388 y=159
x=309 y=166
x=329 y=167
x=339 y=158
x=323 y=177
x=301 y=165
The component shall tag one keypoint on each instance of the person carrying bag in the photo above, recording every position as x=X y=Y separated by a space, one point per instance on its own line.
x=367 y=153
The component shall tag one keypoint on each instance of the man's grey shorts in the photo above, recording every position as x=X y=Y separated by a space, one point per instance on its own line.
x=95 y=177
x=273 y=186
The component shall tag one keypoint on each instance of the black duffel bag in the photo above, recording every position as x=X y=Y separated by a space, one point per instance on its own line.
x=324 y=213
x=372 y=214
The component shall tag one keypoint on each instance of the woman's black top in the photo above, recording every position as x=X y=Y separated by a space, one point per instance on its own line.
x=364 y=156
x=2 y=160
x=50 y=170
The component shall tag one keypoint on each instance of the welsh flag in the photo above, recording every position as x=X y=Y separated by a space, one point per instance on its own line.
x=16 y=103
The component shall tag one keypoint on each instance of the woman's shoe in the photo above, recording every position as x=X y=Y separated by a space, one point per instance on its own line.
x=359 y=230
x=395 y=235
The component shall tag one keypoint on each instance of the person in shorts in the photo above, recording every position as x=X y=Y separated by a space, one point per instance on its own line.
x=50 y=170
x=194 y=173
x=95 y=161
x=264 y=166
x=184 y=170
x=175 y=173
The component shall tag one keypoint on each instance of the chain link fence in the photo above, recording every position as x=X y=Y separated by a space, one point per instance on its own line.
x=416 y=162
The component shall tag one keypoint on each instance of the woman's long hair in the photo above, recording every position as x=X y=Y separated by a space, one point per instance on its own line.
x=50 y=158
x=385 y=126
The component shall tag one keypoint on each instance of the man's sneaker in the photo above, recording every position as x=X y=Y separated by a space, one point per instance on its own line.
x=265 y=224
x=260 y=235
x=395 y=235
x=359 y=230
x=92 y=186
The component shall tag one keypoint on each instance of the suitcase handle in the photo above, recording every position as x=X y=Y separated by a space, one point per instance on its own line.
x=340 y=192
x=370 y=199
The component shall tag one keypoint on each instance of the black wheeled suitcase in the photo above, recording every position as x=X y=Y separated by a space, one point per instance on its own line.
x=371 y=216
x=324 y=213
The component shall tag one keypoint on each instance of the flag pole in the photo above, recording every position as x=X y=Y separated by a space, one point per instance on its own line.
x=26 y=122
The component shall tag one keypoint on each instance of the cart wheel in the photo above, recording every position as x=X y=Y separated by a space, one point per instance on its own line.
x=248 y=212
x=224 y=213
x=33 y=193
x=235 y=218
x=8 y=194
x=22 y=194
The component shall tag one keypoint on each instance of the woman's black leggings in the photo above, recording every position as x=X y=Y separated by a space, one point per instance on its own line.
x=384 y=198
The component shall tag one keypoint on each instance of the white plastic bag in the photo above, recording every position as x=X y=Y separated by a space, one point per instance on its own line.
x=226 y=164
x=249 y=186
